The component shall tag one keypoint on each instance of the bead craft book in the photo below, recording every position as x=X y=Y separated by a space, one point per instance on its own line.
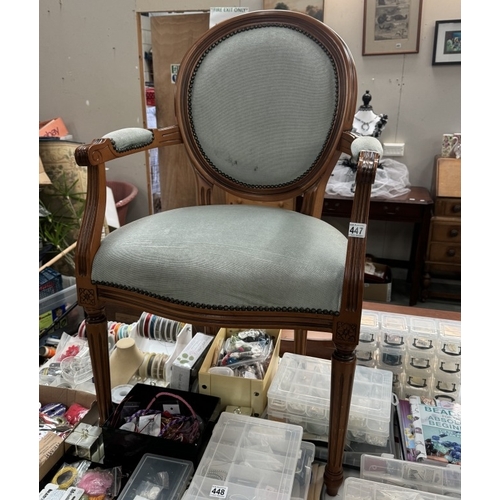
x=431 y=430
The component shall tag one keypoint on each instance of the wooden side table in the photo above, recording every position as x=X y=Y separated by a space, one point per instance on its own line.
x=443 y=258
x=413 y=208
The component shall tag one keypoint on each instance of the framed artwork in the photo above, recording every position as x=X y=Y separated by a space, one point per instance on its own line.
x=391 y=27
x=447 y=42
x=312 y=7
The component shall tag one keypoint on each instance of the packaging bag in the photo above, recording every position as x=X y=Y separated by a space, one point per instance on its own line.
x=391 y=180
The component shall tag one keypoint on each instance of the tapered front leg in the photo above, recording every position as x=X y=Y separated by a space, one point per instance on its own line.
x=343 y=370
x=97 y=336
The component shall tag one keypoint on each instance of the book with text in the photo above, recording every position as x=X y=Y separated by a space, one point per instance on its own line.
x=437 y=425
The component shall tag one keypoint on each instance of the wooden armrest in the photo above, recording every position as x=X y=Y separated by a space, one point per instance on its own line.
x=346 y=141
x=125 y=142
x=356 y=245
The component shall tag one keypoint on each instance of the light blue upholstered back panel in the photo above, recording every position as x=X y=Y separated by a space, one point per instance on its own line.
x=272 y=92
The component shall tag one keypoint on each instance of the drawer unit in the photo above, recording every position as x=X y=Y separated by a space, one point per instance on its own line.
x=446 y=229
x=443 y=257
x=448 y=207
x=444 y=252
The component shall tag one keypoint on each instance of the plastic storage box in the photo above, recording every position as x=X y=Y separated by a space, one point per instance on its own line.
x=126 y=448
x=413 y=475
x=300 y=394
x=248 y=457
x=367 y=349
x=49 y=308
x=353 y=451
x=303 y=471
x=423 y=354
x=361 y=489
x=158 y=477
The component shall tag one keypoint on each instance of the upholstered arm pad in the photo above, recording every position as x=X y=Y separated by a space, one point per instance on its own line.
x=127 y=139
x=365 y=143
x=124 y=142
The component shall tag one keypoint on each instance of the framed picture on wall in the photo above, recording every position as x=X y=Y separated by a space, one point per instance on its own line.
x=447 y=42
x=391 y=27
x=312 y=7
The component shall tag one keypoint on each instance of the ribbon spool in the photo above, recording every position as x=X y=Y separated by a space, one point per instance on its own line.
x=155 y=327
x=65 y=477
x=119 y=392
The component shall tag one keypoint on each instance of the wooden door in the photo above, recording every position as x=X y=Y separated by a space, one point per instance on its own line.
x=171 y=37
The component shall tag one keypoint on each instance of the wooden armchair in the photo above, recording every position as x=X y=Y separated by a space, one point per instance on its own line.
x=264 y=107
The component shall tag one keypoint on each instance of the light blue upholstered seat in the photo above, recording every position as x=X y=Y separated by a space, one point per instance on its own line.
x=241 y=256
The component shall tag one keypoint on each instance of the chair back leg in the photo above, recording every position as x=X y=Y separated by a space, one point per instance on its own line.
x=300 y=342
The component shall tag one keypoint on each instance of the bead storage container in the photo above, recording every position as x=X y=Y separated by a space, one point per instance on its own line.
x=393 y=334
x=159 y=478
x=413 y=475
x=366 y=352
x=423 y=354
x=248 y=457
x=422 y=342
x=362 y=489
x=446 y=384
x=300 y=394
x=392 y=347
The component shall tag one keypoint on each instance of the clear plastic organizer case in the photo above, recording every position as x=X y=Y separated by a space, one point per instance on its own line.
x=158 y=477
x=424 y=354
x=361 y=489
x=248 y=457
x=303 y=471
x=300 y=394
x=413 y=475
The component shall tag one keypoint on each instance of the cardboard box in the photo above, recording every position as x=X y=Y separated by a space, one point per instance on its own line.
x=52 y=447
x=186 y=366
x=237 y=391
x=378 y=289
x=52 y=128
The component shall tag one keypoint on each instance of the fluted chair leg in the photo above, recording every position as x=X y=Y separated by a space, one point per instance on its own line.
x=343 y=369
x=97 y=336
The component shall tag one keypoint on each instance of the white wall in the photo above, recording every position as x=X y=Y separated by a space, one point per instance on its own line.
x=89 y=75
x=422 y=101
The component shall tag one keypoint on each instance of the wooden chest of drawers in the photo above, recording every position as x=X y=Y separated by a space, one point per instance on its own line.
x=443 y=259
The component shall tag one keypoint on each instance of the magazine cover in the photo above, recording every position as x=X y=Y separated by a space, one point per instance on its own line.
x=439 y=422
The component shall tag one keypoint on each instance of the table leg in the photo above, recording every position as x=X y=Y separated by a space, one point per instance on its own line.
x=417 y=255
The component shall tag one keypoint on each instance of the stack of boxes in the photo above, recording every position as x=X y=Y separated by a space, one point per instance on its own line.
x=252 y=458
x=423 y=354
x=300 y=394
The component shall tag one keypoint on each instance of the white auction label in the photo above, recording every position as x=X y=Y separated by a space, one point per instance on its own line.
x=357 y=230
x=218 y=491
